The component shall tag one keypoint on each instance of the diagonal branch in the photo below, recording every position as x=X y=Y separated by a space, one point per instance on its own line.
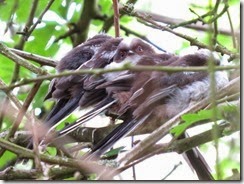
x=34 y=57
x=19 y=60
x=85 y=167
x=193 y=41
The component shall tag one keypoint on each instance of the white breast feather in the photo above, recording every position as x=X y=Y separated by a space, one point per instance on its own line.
x=194 y=93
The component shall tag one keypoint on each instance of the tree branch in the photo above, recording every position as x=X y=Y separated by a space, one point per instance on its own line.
x=175 y=23
x=109 y=21
x=23 y=110
x=17 y=59
x=89 y=12
x=100 y=71
x=193 y=41
x=44 y=61
x=116 y=18
x=40 y=17
x=85 y=167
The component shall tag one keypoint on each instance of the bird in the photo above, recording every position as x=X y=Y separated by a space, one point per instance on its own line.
x=68 y=91
x=142 y=97
x=127 y=50
x=155 y=97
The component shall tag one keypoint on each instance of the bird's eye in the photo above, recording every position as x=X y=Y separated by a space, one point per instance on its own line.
x=122 y=54
x=139 y=49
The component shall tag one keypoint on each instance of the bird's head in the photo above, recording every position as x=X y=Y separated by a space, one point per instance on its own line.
x=141 y=48
x=131 y=50
x=105 y=54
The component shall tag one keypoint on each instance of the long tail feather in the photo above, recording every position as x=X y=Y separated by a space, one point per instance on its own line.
x=62 y=112
x=59 y=105
x=89 y=115
x=118 y=133
x=197 y=162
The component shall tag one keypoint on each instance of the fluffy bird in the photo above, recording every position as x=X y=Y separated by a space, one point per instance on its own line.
x=71 y=92
x=155 y=97
x=128 y=50
x=139 y=98
x=76 y=91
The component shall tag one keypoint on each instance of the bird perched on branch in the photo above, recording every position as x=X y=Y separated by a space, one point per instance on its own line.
x=129 y=50
x=153 y=97
x=69 y=91
x=138 y=98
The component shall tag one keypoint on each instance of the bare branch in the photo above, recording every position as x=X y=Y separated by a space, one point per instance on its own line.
x=175 y=23
x=17 y=59
x=85 y=167
x=116 y=18
x=40 y=17
x=99 y=71
x=193 y=41
x=44 y=61
x=23 y=110
x=109 y=21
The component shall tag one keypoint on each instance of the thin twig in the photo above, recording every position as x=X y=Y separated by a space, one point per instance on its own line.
x=28 y=24
x=23 y=110
x=100 y=71
x=10 y=95
x=232 y=29
x=44 y=61
x=116 y=18
x=19 y=60
x=193 y=41
x=175 y=23
x=37 y=159
x=40 y=17
x=3 y=108
x=173 y=169
x=109 y=21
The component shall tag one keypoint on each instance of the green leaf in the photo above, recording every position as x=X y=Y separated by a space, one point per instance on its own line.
x=113 y=152
x=41 y=43
x=190 y=119
x=106 y=7
x=5 y=9
x=51 y=151
x=23 y=11
x=126 y=19
x=7 y=157
x=6 y=69
x=92 y=176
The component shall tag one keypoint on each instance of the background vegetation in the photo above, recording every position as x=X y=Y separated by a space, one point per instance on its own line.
x=35 y=34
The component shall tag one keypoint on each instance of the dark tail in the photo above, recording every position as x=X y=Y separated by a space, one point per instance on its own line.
x=106 y=103
x=197 y=162
x=61 y=110
x=119 y=132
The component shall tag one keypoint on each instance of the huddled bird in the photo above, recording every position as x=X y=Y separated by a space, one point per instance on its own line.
x=139 y=98
x=69 y=92
x=155 y=97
